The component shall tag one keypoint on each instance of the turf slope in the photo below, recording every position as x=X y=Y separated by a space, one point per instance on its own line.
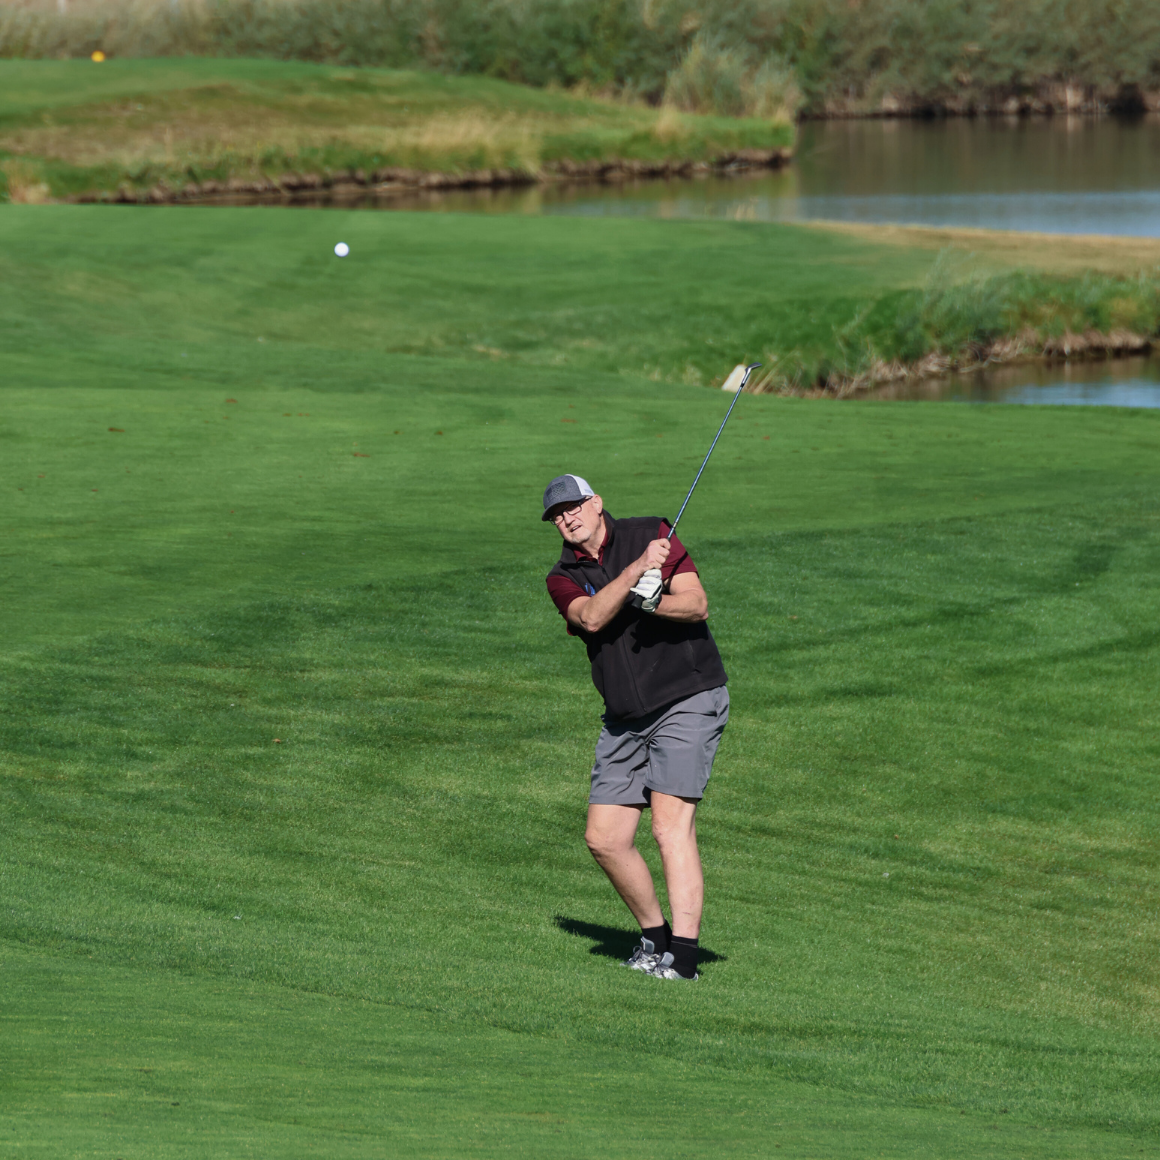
x=294 y=747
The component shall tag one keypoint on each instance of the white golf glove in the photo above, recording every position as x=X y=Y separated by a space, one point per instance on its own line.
x=649 y=588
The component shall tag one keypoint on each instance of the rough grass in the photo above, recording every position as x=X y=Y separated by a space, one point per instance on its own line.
x=962 y=317
x=78 y=126
x=294 y=748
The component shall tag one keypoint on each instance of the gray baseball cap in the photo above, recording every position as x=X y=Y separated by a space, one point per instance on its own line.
x=565 y=489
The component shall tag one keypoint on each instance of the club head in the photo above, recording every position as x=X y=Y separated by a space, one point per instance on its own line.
x=745 y=378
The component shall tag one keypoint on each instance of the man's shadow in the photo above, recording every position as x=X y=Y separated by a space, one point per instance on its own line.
x=615 y=943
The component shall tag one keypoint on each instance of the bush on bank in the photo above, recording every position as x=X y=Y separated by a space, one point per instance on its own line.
x=826 y=56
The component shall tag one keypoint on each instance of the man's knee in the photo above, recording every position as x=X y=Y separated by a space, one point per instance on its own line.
x=667 y=835
x=604 y=845
x=672 y=831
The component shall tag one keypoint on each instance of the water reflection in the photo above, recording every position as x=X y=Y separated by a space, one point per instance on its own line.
x=1006 y=155
x=1125 y=382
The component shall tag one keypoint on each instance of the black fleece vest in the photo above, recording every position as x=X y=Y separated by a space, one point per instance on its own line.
x=640 y=662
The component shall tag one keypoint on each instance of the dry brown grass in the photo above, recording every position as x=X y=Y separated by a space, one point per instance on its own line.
x=25 y=183
x=670 y=125
x=502 y=139
x=1002 y=249
x=194 y=140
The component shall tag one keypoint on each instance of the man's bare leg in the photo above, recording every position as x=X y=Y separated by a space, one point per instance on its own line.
x=674 y=825
x=610 y=836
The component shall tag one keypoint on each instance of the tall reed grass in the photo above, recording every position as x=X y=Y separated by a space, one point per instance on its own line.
x=716 y=77
x=708 y=55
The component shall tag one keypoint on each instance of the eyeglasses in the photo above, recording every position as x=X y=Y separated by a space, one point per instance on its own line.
x=571 y=510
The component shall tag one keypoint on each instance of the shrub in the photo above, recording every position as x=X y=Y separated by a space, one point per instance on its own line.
x=709 y=79
x=716 y=78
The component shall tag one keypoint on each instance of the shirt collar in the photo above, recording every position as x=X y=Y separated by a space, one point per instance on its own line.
x=581 y=555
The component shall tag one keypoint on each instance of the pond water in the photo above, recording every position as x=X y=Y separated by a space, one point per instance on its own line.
x=1082 y=175
x=1125 y=382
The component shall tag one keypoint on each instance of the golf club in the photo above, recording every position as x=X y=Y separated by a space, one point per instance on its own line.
x=744 y=379
x=649 y=587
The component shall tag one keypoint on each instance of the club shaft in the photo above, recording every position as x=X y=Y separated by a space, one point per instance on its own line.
x=748 y=371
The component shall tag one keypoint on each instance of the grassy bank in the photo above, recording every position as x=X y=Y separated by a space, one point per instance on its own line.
x=962 y=318
x=294 y=748
x=76 y=127
x=740 y=56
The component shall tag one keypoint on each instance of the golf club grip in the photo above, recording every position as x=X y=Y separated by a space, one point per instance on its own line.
x=737 y=395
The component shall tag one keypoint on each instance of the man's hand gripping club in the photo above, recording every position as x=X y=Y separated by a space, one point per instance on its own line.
x=650 y=586
x=595 y=612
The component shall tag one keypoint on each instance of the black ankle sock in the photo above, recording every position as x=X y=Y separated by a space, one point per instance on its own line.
x=684 y=952
x=659 y=937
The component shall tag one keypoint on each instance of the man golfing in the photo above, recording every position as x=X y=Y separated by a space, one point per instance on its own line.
x=629 y=589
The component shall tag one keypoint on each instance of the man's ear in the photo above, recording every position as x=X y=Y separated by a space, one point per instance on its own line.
x=598 y=504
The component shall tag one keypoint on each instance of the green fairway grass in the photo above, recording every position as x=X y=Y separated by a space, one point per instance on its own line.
x=295 y=748
x=71 y=127
x=181 y=1066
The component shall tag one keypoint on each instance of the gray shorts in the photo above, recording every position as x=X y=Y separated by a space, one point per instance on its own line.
x=670 y=751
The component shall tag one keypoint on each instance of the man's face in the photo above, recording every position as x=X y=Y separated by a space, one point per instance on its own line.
x=581 y=523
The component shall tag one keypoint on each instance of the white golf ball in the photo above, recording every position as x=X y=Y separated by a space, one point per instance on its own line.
x=342 y=249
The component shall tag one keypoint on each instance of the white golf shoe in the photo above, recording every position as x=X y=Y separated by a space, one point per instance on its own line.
x=662 y=968
x=644 y=956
